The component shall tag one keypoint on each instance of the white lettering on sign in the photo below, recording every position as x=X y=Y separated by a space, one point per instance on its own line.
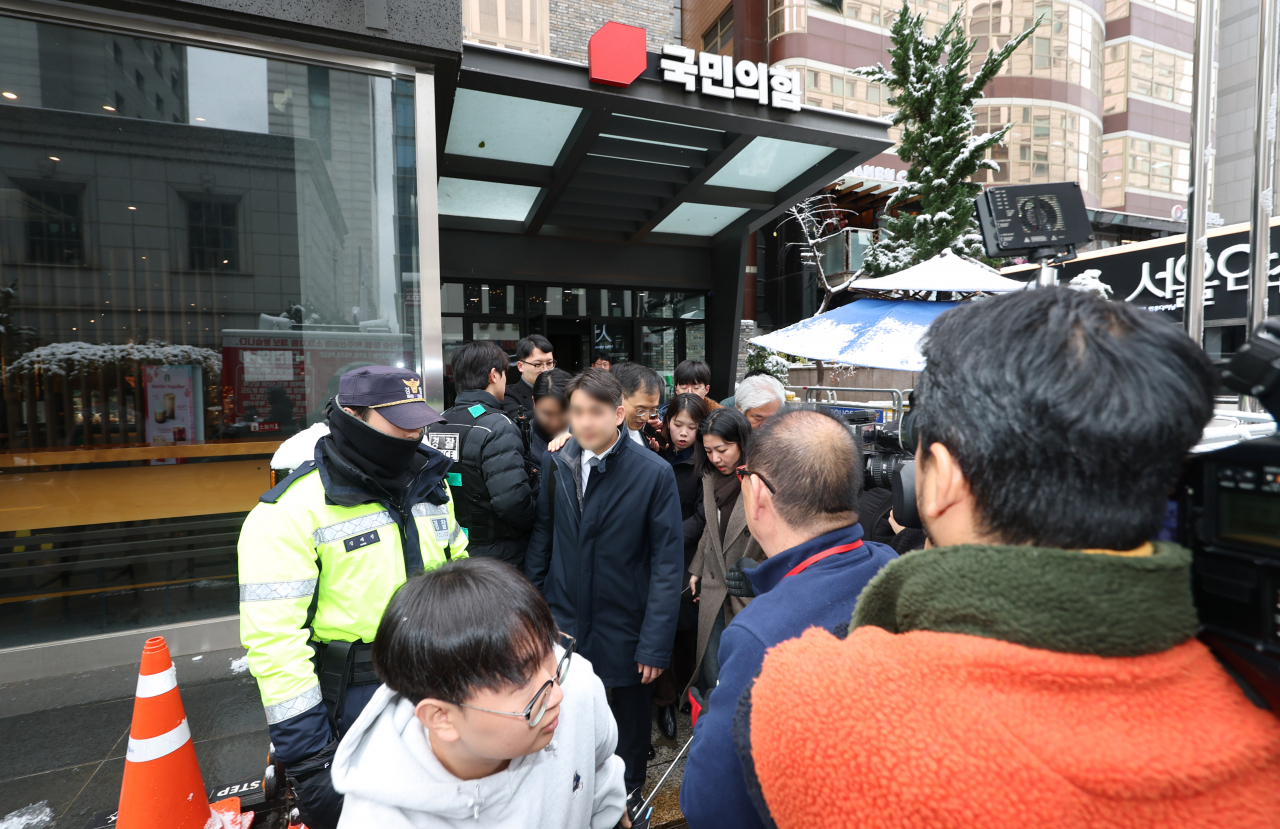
x=721 y=78
x=1171 y=283
x=1174 y=277
x=267 y=366
x=881 y=173
x=238 y=788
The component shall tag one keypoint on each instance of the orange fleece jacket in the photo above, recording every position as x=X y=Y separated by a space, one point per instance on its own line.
x=931 y=729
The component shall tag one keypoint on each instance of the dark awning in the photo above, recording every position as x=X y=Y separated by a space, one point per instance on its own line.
x=534 y=148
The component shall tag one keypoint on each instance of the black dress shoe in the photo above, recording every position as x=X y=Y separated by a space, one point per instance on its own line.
x=653 y=754
x=667 y=721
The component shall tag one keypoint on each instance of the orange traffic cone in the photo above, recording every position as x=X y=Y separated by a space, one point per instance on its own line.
x=162 y=784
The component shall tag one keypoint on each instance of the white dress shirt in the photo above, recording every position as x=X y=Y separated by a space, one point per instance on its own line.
x=587 y=465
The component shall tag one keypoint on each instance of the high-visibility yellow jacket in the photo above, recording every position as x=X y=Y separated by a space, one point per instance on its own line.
x=314 y=569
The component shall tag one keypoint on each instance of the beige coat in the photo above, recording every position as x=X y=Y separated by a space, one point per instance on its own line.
x=714 y=559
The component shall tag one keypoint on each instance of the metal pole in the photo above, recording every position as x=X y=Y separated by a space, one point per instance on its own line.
x=1264 y=148
x=424 y=128
x=1202 y=118
x=1264 y=152
x=1047 y=275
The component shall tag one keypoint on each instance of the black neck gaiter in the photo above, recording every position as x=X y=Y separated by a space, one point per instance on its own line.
x=381 y=457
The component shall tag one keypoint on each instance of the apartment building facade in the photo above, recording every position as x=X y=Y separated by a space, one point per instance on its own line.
x=1100 y=94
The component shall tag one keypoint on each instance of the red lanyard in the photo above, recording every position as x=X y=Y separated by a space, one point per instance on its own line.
x=802 y=566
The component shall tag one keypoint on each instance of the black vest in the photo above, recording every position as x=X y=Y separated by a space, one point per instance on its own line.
x=461 y=439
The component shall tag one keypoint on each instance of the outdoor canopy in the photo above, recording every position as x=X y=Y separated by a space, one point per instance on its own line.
x=876 y=333
x=944 y=272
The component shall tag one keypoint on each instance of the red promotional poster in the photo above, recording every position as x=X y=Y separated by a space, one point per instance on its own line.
x=260 y=366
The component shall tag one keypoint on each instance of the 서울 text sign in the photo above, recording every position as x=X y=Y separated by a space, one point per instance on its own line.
x=722 y=78
x=1155 y=275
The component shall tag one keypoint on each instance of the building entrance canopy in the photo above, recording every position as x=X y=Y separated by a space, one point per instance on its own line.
x=655 y=186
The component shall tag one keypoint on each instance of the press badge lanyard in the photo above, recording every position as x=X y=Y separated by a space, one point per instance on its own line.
x=816 y=557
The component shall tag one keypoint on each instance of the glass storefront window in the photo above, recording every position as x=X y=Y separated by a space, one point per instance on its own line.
x=491 y=299
x=658 y=349
x=671 y=305
x=451 y=298
x=196 y=245
x=506 y=334
x=695 y=342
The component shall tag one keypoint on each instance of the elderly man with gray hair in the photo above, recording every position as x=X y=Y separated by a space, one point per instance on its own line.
x=759 y=398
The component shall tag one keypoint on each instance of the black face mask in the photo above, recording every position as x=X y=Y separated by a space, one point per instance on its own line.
x=383 y=458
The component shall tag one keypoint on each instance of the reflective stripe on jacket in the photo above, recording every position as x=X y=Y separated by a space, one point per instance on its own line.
x=304 y=562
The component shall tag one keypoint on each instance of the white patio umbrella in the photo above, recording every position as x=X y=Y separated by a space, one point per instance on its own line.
x=944 y=272
x=877 y=333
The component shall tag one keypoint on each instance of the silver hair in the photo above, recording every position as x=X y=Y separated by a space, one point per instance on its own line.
x=757 y=391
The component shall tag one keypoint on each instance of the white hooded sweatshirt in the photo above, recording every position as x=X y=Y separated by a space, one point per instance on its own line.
x=392 y=779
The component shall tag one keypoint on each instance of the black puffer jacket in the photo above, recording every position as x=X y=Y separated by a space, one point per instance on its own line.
x=506 y=480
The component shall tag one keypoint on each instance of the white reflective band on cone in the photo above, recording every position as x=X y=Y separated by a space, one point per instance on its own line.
x=153 y=685
x=153 y=748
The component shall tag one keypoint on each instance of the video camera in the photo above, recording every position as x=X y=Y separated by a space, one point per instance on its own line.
x=1229 y=517
x=889 y=456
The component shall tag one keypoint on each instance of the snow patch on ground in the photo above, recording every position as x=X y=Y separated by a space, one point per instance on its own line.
x=238 y=666
x=35 y=816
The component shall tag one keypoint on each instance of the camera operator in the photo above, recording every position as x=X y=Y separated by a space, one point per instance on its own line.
x=799 y=495
x=1038 y=666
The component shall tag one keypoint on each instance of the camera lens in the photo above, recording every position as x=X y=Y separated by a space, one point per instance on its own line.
x=880 y=469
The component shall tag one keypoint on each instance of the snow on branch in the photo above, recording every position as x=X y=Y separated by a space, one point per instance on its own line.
x=75 y=359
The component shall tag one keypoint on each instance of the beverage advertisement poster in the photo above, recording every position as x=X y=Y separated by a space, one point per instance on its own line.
x=170 y=393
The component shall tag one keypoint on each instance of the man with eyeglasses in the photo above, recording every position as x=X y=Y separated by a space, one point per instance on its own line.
x=641 y=400
x=800 y=491
x=533 y=357
x=478 y=683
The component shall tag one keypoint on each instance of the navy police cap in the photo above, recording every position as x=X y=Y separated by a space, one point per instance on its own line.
x=395 y=392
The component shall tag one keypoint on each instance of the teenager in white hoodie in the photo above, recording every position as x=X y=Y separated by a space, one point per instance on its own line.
x=484 y=720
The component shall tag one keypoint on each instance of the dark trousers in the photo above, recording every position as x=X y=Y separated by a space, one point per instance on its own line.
x=311 y=779
x=632 y=711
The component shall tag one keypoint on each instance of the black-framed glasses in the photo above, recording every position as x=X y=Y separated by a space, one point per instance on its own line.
x=547 y=366
x=743 y=472
x=537 y=707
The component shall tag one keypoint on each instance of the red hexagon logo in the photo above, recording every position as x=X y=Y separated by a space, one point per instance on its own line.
x=616 y=54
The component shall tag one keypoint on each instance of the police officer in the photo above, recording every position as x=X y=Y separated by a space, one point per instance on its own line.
x=490 y=473
x=320 y=557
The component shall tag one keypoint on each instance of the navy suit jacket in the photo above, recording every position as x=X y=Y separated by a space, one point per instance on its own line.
x=611 y=562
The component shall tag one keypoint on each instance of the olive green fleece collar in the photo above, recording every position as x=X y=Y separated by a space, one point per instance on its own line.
x=1058 y=600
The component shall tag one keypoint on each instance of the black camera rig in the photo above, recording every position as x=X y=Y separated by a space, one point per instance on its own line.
x=1229 y=516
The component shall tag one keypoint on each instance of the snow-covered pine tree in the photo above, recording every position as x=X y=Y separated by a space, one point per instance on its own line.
x=931 y=87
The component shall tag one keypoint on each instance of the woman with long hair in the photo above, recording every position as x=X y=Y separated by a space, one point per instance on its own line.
x=720 y=448
x=679 y=433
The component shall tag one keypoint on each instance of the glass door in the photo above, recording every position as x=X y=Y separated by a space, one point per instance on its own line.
x=611 y=339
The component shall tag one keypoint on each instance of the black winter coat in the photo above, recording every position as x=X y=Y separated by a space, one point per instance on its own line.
x=519 y=396
x=506 y=479
x=690 y=489
x=611 y=562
